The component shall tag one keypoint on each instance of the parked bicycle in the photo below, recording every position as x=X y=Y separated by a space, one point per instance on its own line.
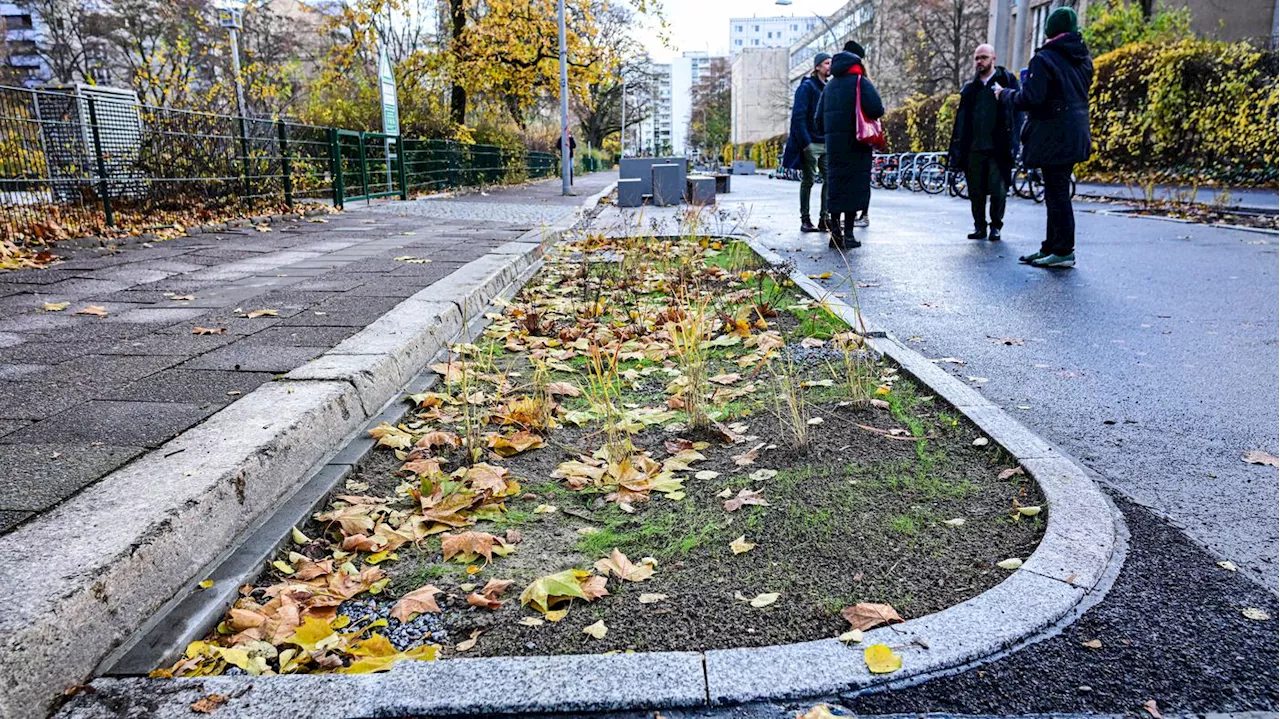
x=1028 y=183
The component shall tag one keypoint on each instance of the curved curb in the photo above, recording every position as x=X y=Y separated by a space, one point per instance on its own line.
x=1068 y=565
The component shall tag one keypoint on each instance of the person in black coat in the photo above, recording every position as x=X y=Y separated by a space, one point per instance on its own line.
x=982 y=142
x=848 y=160
x=1056 y=134
x=806 y=148
x=573 y=149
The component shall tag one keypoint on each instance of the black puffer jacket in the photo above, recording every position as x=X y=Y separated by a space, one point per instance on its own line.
x=848 y=161
x=1056 y=100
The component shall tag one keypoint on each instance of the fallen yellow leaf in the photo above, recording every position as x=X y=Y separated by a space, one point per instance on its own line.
x=56 y=306
x=206 y=584
x=597 y=630
x=763 y=600
x=881 y=659
x=95 y=310
x=741 y=545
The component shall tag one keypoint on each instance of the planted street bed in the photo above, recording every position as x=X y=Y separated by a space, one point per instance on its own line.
x=660 y=444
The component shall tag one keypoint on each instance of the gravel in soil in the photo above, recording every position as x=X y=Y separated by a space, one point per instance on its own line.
x=858 y=517
x=1171 y=629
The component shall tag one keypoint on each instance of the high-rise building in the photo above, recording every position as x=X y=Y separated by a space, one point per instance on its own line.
x=22 y=62
x=746 y=33
x=686 y=72
x=652 y=135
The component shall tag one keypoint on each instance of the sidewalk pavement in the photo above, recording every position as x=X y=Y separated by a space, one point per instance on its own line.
x=1239 y=198
x=82 y=395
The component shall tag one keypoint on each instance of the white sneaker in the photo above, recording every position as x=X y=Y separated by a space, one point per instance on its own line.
x=862 y=222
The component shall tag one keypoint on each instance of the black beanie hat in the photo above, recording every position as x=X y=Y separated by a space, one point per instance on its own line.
x=1062 y=20
x=853 y=47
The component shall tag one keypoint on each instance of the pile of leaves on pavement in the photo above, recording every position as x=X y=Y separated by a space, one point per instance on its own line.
x=615 y=381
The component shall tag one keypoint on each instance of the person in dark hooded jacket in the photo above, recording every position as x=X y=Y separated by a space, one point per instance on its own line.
x=806 y=149
x=1055 y=137
x=848 y=160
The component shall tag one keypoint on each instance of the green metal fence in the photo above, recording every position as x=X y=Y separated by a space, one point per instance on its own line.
x=87 y=160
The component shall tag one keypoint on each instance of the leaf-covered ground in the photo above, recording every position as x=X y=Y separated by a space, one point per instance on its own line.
x=659 y=445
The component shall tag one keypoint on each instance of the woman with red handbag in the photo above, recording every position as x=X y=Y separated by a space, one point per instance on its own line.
x=849 y=116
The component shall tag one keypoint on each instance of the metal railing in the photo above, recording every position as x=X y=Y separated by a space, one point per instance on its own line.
x=84 y=160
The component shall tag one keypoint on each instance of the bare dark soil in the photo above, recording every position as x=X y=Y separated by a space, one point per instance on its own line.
x=857 y=518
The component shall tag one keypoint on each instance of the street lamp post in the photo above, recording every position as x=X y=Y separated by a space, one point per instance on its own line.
x=622 y=133
x=835 y=41
x=232 y=19
x=566 y=154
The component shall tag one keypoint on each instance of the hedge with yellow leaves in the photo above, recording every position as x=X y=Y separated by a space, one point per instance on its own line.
x=1193 y=111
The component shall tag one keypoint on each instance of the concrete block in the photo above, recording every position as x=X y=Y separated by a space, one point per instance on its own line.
x=638 y=168
x=668 y=185
x=570 y=683
x=131 y=541
x=929 y=373
x=744 y=167
x=700 y=190
x=631 y=192
x=1009 y=433
x=375 y=377
x=1080 y=538
x=412 y=333
x=724 y=183
x=786 y=671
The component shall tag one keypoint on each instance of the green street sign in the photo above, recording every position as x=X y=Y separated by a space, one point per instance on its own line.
x=387 y=89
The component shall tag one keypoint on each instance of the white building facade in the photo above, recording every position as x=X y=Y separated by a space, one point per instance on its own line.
x=686 y=73
x=22 y=28
x=653 y=135
x=746 y=33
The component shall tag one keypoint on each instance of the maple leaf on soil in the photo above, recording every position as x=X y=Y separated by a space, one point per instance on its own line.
x=470 y=543
x=390 y=436
x=431 y=440
x=416 y=602
x=488 y=597
x=546 y=592
x=514 y=444
x=745 y=497
x=622 y=568
x=866 y=616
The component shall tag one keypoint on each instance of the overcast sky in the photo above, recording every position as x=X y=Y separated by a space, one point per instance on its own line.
x=704 y=24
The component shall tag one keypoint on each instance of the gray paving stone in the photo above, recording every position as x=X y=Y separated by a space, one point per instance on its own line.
x=34 y=321
x=245 y=357
x=95 y=371
x=129 y=275
x=330 y=282
x=39 y=277
x=40 y=351
x=79 y=288
x=123 y=424
x=17 y=371
x=301 y=336
x=93 y=332
x=34 y=477
x=236 y=326
x=8 y=426
x=186 y=385
x=187 y=345
x=29 y=400
x=12 y=518
x=155 y=315
x=392 y=287
x=345 y=312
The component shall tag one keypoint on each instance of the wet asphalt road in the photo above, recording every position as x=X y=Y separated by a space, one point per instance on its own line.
x=1153 y=362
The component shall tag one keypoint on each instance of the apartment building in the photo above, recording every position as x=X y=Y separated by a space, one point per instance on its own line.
x=763 y=32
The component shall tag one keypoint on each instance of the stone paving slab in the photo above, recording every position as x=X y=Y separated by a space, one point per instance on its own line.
x=189 y=385
x=43 y=473
x=124 y=423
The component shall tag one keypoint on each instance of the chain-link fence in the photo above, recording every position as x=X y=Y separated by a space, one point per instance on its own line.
x=85 y=160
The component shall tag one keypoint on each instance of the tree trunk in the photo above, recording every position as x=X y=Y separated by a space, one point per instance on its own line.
x=457 y=93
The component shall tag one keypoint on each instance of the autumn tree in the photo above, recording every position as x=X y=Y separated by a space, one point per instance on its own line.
x=599 y=110
x=710 y=118
x=926 y=46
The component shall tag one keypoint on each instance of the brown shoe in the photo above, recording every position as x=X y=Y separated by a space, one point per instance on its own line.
x=807 y=226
